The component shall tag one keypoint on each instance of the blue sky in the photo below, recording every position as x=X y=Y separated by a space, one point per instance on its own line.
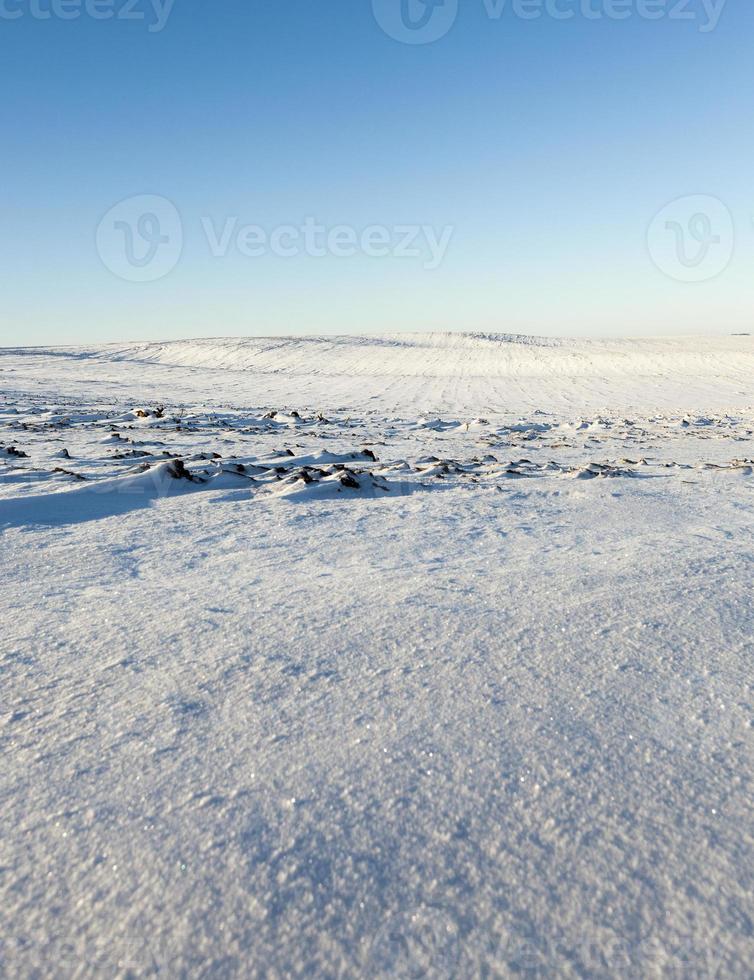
x=544 y=147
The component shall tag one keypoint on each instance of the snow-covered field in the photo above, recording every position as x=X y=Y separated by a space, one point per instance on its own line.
x=404 y=656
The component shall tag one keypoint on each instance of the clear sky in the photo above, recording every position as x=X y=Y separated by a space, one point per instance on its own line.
x=522 y=161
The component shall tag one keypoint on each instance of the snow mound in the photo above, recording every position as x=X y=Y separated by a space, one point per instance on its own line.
x=312 y=483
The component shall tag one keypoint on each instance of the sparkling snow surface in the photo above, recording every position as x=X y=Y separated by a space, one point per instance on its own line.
x=415 y=656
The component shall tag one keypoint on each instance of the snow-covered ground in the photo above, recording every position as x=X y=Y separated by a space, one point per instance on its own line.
x=405 y=656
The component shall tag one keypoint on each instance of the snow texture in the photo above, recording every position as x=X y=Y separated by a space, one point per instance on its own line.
x=415 y=656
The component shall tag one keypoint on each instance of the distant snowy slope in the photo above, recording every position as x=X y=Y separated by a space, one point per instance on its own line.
x=450 y=354
x=476 y=372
